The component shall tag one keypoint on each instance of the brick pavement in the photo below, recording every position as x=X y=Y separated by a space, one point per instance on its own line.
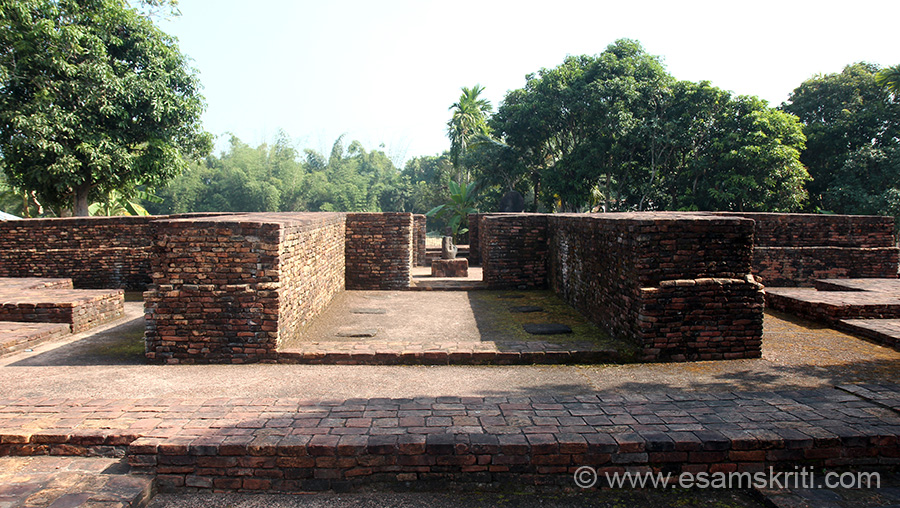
x=868 y=308
x=449 y=352
x=54 y=481
x=297 y=445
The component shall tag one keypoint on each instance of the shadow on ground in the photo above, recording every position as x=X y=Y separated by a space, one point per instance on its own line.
x=120 y=345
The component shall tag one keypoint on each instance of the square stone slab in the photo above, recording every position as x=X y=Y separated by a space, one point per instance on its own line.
x=547 y=328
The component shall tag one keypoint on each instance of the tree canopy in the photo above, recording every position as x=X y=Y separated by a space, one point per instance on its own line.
x=852 y=127
x=94 y=98
x=617 y=132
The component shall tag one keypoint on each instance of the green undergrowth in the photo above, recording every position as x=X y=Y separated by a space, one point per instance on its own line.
x=497 y=321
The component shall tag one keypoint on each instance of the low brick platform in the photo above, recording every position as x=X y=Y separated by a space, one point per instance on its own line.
x=293 y=445
x=375 y=352
x=71 y=482
x=831 y=306
x=31 y=283
x=868 y=308
x=450 y=267
x=16 y=336
x=882 y=331
x=82 y=309
x=870 y=285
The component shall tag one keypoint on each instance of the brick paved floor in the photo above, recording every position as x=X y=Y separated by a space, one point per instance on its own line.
x=865 y=307
x=440 y=328
x=72 y=482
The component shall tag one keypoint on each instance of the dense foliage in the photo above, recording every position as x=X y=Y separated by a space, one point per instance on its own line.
x=97 y=104
x=617 y=132
x=852 y=124
x=94 y=98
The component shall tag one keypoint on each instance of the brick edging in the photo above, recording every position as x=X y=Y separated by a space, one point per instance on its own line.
x=294 y=445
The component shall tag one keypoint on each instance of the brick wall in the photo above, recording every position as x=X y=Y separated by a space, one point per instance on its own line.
x=229 y=289
x=95 y=252
x=514 y=250
x=675 y=284
x=796 y=249
x=474 y=220
x=379 y=250
x=214 y=294
x=419 y=248
x=311 y=270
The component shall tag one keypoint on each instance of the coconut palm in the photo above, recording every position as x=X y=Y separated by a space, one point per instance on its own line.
x=890 y=78
x=469 y=119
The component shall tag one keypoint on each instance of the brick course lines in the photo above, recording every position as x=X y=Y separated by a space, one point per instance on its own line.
x=374 y=352
x=82 y=309
x=224 y=288
x=514 y=250
x=419 y=248
x=16 y=336
x=96 y=252
x=675 y=284
x=795 y=249
x=379 y=250
x=298 y=445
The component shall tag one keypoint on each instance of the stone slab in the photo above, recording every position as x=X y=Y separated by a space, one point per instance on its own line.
x=458 y=267
x=547 y=328
x=526 y=309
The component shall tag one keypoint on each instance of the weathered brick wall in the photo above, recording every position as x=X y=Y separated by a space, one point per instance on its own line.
x=796 y=249
x=818 y=230
x=230 y=289
x=474 y=220
x=514 y=250
x=620 y=270
x=419 y=248
x=701 y=319
x=379 y=250
x=311 y=270
x=214 y=296
x=95 y=252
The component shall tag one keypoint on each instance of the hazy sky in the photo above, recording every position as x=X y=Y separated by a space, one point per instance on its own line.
x=386 y=72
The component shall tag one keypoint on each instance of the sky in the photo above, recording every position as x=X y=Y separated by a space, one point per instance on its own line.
x=385 y=72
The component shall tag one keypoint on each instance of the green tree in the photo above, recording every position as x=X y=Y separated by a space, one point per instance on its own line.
x=469 y=119
x=93 y=98
x=889 y=78
x=841 y=113
x=616 y=132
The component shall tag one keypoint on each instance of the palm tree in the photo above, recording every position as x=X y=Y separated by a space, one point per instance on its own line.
x=890 y=78
x=469 y=119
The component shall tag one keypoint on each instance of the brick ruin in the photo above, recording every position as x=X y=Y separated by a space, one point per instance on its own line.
x=231 y=288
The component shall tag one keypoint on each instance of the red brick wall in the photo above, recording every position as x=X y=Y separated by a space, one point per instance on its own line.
x=419 y=247
x=311 y=270
x=228 y=289
x=620 y=271
x=514 y=250
x=796 y=249
x=95 y=252
x=379 y=250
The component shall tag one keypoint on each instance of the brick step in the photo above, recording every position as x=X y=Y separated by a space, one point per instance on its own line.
x=390 y=352
x=16 y=336
x=295 y=445
x=833 y=306
x=81 y=309
x=882 y=331
x=72 y=482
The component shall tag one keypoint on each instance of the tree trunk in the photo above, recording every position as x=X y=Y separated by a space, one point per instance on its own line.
x=81 y=204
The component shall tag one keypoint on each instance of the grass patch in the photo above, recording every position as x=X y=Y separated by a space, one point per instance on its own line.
x=498 y=322
x=128 y=346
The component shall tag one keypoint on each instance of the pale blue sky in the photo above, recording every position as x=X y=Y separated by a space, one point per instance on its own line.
x=386 y=71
